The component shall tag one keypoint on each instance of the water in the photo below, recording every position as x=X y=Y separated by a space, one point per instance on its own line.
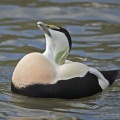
x=95 y=29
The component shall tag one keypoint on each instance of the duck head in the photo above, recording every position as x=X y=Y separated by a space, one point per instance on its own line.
x=58 y=42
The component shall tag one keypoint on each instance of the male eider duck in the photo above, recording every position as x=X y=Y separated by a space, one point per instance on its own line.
x=50 y=75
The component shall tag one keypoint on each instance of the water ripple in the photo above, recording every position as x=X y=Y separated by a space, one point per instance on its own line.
x=95 y=30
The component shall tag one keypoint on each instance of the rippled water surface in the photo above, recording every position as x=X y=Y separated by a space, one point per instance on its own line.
x=94 y=26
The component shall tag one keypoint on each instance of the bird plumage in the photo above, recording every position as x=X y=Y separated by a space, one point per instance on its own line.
x=69 y=89
x=34 y=68
x=51 y=75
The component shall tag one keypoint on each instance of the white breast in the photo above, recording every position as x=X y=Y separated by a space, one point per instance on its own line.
x=33 y=68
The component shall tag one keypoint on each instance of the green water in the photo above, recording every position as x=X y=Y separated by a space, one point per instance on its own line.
x=94 y=26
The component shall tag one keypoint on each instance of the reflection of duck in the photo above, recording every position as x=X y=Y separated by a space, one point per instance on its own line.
x=51 y=75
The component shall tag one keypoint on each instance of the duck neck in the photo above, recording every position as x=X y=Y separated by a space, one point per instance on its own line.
x=54 y=54
x=49 y=52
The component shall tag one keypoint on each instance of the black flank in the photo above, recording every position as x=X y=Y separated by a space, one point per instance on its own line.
x=67 y=89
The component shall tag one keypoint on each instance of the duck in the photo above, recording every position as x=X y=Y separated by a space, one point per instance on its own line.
x=51 y=75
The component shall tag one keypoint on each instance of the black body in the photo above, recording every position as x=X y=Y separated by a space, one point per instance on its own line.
x=67 y=89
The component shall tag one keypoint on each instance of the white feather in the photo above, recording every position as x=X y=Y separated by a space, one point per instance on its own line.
x=101 y=79
x=71 y=70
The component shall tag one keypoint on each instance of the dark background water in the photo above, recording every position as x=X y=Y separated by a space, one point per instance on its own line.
x=94 y=26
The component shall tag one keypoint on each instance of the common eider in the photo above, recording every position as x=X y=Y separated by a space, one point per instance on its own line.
x=50 y=75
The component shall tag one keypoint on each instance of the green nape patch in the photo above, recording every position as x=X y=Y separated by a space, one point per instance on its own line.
x=61 y=56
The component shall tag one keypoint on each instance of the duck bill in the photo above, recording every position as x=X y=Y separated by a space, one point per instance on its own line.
x=44 y=28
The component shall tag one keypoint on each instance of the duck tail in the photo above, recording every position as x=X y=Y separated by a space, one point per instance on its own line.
x=111 y=75
x=118 y=75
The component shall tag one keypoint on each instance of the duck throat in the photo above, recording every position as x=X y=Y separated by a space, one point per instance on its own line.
x=56 y=50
